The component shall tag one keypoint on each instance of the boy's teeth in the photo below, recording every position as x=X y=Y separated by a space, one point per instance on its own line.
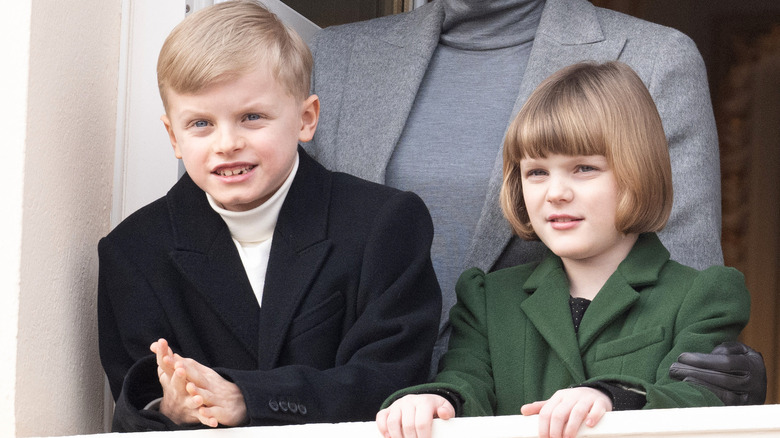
x=233 y=172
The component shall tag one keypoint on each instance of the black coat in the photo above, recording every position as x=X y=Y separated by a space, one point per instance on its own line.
x=349 y=314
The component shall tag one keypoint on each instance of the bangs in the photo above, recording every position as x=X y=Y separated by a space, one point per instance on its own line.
x=562 y=121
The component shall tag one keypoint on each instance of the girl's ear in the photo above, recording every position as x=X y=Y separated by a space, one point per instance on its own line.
x=310 y=115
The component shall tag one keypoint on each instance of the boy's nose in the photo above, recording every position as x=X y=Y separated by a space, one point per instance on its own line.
x=229 y=141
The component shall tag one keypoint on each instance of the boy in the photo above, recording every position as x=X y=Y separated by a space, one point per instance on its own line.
x=268 y=289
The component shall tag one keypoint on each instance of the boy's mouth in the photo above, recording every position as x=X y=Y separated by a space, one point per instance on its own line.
x=233 y=171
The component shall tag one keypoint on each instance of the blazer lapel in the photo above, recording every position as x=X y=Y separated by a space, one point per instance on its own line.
x=569 y=32
x=206 y=255
x=548 y=310
x=380 y=89
x=300 y=247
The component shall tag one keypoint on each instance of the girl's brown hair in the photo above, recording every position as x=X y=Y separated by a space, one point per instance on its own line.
x=594 y=109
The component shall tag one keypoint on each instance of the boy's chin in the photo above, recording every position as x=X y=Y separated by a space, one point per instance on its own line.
x=237 y=203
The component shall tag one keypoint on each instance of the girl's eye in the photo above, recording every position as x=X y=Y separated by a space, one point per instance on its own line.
x=535 y=172
x=586 y=168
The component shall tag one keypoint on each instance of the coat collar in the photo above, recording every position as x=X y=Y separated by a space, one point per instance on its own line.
x=206 y=255
x=548 y=304
x=299 y=249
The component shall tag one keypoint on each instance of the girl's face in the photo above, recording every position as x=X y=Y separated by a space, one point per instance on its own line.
x=572 y=204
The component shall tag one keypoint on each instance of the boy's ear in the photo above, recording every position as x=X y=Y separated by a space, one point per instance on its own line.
x=310 y=115
x=171 y=135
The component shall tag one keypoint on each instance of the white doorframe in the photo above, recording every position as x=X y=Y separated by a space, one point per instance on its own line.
x=144 y=164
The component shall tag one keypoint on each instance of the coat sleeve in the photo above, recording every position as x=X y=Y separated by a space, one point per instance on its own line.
x=126 y=299
x=715 y=309
x=679 y=88
x=129 y=314
x=389 y=345
x=466 y=368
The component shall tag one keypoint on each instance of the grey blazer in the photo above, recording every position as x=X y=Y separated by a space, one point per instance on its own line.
x=367 y=75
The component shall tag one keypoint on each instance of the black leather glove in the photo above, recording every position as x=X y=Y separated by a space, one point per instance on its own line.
x=733 y=371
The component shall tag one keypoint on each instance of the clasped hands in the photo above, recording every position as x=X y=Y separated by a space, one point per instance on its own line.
x=194 y=393
x=560 y=416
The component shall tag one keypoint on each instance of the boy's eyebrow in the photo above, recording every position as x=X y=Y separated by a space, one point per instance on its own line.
x=190 y=113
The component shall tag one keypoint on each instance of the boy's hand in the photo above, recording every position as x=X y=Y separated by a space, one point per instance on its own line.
x=177 y=404
x=564 y=413
x=218 y=400
x=412 y=416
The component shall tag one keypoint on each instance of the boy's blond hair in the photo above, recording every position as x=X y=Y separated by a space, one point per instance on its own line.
x=594 y=109
x=229 y=39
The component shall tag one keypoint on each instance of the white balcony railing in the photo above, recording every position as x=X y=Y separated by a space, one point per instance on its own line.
x=732 y=422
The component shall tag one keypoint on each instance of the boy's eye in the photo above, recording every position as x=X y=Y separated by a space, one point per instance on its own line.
x=252 y=117
x=200 y=124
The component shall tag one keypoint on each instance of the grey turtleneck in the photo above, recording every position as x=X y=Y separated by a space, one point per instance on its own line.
x=454 y=131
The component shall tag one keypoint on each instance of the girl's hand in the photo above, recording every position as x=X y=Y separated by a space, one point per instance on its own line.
x=564 y=413
x=412 y=416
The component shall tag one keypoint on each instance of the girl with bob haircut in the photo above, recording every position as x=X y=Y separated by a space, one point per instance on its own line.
x=588 y=109
x=596 y=324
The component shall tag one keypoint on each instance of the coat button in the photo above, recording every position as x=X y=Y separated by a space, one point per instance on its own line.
x=302 y=408
x=283 y=405
x=273 y=405
x=293 y=407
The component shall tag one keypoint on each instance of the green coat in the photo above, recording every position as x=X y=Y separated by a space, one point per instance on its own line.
x=513 y=340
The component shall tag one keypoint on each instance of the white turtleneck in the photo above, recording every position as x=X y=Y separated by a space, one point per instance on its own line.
x=252 y=232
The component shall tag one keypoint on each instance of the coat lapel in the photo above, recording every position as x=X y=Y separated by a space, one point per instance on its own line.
x=379 y=91
x=206 y=255
x=299 y=248
x=569 y=32
x=640 y=268
x=548 y=310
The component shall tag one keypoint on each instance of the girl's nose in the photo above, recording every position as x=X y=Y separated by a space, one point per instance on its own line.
x=559 y=190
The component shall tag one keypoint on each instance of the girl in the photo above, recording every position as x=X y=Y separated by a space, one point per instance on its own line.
x=595 y=325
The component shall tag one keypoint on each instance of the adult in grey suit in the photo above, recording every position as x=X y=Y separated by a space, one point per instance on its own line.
x=421 y=100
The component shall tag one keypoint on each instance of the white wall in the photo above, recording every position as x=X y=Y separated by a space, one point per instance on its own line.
x=14 y=21
x=59 y=117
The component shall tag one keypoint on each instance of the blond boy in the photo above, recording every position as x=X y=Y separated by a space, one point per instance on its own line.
x=268 y=289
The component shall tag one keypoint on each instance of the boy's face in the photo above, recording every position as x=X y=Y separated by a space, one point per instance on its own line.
x=238 y=138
